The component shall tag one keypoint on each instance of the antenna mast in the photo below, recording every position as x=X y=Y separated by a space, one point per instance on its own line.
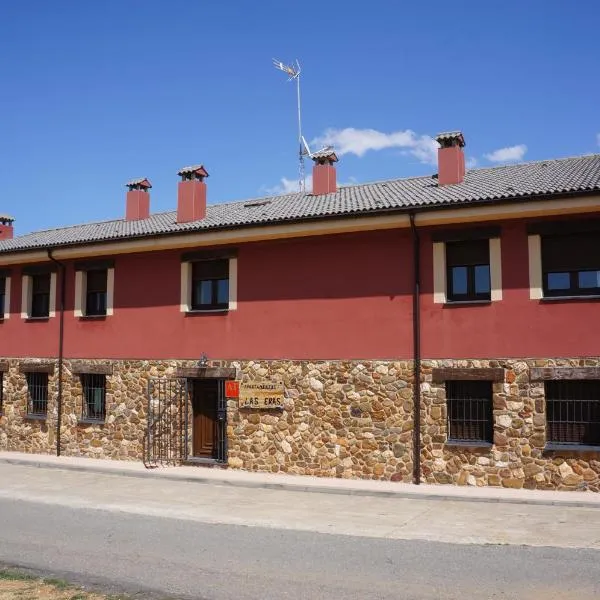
x=293 y=73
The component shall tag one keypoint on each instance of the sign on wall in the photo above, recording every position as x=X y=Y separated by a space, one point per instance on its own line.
x=263 y=394
x=232 y=389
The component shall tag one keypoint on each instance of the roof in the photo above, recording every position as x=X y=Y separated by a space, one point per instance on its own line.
x=325 y=153
x=448 y=136
x=141 y=182
x=482 y=186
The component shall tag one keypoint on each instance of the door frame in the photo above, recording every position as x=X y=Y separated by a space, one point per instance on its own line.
x=221 y=446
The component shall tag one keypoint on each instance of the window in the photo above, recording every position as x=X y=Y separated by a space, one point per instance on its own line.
x=468 y=270
x=571 y=264
x=573 y=412
x=40 y=295
x=95 y=298
x=469 y=411
x=94 y=397
x=3 y=299
x=37 y=394
x=210 y=285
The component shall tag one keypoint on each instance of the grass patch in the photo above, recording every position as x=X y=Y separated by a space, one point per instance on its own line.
x=12 y=575
x=59 y=584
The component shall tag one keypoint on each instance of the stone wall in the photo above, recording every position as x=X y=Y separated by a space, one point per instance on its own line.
x=350 y=419
x=517 y=458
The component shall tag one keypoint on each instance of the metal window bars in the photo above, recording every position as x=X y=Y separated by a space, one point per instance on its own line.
x=37 y=394
x=470 y=411
x=93 y=397
x=573 y=412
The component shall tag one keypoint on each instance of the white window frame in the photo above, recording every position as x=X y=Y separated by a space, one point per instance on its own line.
x=26 y=297
x=81 y=293
x=185 y=304
x=440 y=293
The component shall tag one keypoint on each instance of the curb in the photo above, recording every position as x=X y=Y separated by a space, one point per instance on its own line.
x=299 y=487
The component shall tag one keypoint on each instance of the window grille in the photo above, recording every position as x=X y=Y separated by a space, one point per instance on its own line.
x=573 y=412
x=37 y=392
x=94 y=397
x=468 y=270
x=40 y=295
x=96 y=284
x=571 y=264
x=469 y=411
x=210 y=285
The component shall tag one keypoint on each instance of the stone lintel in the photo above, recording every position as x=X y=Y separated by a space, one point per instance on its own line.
x=207 y=372
x=85 y=368
x=563 y=373
x=26 y=367
x=469 y=374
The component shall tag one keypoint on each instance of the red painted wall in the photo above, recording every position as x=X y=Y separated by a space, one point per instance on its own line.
x=343 y=296
x=338 y=297
x=516 y=326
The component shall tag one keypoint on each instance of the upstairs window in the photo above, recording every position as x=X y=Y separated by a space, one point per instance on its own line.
x=94 y=397
x=469 y=411
x=95 y=297
x=468 y=270
x=40 y=295
x=573 y=412
x=210 y=285
x=571 y=264
x=37 y=394
x=3 y=299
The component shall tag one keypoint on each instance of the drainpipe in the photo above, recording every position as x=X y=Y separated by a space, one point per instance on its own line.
x=416 y=351
x=61 y=340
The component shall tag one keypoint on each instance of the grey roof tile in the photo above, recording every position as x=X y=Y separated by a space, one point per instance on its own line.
x=513 y=182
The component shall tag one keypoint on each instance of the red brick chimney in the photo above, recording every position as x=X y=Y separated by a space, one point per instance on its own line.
x=137 y=205
x=451 y=158
x=6 y=227
x=324 y=177
x=191 y=194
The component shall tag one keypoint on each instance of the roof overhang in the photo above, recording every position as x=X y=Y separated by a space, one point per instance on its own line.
x=424 y=217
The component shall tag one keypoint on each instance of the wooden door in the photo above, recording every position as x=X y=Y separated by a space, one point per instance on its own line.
x=205 y=419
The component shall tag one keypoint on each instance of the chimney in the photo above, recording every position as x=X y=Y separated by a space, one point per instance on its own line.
x=137 y=205
x=451 y=158
x=6 y=227
x=191 y=194
x=324 y=179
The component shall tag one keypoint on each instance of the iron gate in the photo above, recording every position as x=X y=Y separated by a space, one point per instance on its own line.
x=167 y=432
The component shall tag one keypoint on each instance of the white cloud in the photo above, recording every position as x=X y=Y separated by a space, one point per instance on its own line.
x=509 y=154
x=360 y=141
x=471 y=162
x=286 y=186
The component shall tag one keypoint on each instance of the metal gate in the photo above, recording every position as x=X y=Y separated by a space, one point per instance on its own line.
x=166 y=440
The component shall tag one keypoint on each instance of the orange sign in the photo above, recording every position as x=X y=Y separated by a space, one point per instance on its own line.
x=232 y=389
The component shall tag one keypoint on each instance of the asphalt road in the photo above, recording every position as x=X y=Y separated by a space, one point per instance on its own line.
x=157 y=557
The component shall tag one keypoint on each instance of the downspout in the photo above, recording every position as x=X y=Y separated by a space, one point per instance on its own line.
x=61 y=341
x=416 y=351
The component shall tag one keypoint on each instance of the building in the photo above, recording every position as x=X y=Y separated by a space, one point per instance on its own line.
x=124 y=338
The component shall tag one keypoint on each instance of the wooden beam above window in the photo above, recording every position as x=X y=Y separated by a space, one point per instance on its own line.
x=26 y=367
x=85 y=368
x=207 y=372
x=562 y=373
x=495 y=375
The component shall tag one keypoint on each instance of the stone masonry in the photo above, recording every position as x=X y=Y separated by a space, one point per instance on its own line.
x=350 y=419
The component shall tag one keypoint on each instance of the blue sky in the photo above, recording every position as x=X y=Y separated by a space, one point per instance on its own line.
x=96 y=93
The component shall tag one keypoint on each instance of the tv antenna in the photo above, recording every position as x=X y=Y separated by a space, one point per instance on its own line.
x=293 y=72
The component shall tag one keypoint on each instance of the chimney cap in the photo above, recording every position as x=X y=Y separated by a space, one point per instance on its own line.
x=139 y=184
x=325 y=155
x=448 y=139
x=6 y=219
x=193 y=172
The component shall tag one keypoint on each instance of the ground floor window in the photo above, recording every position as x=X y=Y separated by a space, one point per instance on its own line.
x=573 y=412
x=94 y=397
x=37 y=394
x=469 y=411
